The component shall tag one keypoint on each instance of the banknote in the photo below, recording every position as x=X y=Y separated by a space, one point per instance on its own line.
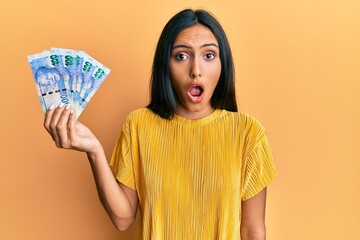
x=88 y=68
x=68 y=61
x=56 y=60
x=98 y=76
x=66 y=76
x=49 y=82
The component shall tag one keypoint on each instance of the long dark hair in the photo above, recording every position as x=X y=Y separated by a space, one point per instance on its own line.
x=163 y=97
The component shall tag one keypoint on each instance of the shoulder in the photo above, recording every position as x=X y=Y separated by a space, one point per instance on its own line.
x=245 y=120
x=248 y=126
x=142 y=117
x=252 y=123
x=140 y=114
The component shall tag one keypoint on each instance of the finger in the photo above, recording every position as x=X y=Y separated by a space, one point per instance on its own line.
x=71 y=126
x=53 y=123
x=47 y=119
x=61 y=127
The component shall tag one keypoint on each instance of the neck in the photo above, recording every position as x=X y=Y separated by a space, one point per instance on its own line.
x=193 y=115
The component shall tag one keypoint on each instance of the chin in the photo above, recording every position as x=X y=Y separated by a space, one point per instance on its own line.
x=199 y=108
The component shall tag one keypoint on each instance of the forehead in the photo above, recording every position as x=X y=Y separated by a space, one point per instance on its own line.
x=196 y=35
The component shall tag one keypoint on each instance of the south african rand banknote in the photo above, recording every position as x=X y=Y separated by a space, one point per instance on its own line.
x=66 y=76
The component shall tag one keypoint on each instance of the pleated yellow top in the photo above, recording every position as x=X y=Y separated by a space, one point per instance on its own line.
x=191 y=175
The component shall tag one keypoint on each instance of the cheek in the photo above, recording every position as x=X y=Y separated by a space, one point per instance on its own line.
x=42 y=80
x=177 y=74
x=214 y=74
x=173 y=67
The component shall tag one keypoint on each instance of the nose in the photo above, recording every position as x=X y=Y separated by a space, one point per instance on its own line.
x=195 y=70
x=50 y=79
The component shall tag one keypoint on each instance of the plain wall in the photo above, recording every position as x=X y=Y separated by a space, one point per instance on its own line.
x=297 y=70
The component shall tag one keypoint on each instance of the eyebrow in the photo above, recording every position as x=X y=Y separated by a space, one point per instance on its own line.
x=186 y=46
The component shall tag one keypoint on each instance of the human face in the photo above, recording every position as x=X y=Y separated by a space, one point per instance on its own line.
x=195 y=69
x=48 y=78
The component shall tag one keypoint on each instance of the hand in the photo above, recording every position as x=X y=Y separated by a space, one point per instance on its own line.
x=68 y=133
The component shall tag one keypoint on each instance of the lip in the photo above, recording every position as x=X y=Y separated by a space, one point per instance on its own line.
x=199 y=98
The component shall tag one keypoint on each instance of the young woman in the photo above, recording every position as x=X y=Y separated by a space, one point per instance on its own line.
x=193 y=166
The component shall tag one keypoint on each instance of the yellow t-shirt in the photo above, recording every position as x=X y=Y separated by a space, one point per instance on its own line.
x=191 y=175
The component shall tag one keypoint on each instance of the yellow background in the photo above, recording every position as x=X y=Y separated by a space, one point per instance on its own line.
x=297 y=69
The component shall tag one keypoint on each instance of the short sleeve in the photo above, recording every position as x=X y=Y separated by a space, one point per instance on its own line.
x=258 y=169
x=122 y=160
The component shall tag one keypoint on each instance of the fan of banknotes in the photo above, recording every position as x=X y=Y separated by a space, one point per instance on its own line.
x=66 y=76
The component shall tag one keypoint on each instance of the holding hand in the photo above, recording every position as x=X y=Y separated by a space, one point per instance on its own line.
x=61 y=124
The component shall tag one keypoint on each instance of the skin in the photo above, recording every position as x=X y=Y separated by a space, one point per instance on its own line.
x=119 y=201
x=253 y=217
x=194 y=61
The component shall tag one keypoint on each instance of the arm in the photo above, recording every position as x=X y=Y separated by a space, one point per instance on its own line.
x=253 y=217
x=119 y=201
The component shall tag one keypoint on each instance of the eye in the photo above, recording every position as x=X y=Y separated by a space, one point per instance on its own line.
x=209 y=56
x=181 y=56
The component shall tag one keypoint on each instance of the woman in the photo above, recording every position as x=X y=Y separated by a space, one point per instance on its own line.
x=193 y=166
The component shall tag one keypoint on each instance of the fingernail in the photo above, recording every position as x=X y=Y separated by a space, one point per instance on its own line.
x=71 y=111
x=52 y=107
x=61 y=105
x=68 y=106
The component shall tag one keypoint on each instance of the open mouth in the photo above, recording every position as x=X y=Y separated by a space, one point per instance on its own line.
x=195 y=93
